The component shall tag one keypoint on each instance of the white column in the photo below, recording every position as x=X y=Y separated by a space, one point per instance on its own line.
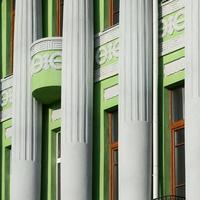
x=26 y=141
x=135 y=104
x=192 y=101
x=77 y=99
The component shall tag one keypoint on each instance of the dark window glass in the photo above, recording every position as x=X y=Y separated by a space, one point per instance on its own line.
x=178 y=104
x=60 y=4
x=113 y=157
x=115 y=126
x=178 y=140
x=114 y=12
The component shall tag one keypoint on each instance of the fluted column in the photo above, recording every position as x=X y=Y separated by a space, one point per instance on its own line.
x=77 y=98
x=26 y=141
x=192 y=101
x=135 y=109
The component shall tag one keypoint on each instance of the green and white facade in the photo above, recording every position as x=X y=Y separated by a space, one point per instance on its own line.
x=59 y=103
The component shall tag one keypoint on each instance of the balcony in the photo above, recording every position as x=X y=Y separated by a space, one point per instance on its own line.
x=46 y=64
x=170 y=197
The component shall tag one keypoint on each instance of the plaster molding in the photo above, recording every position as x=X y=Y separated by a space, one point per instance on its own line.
x=6 y=114
x=45 y=44
x=106 y=53
x=106 y=36
x=111 y=92
x=56 y=115
x=170 y=7
x=9 y=132
x=174 y=67
x=106 y=72
x=172 y=45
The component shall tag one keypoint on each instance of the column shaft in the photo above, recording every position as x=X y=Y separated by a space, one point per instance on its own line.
x=192 y=101
x=26 y=141
x=135 y=104
x=77 y=100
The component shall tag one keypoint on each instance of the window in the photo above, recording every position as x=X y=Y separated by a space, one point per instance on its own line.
x=9 y=70
x=113 y=155
x=114 y=12
x=7 y=171
x=177 y=112
x=58 y=166
x=59 y=13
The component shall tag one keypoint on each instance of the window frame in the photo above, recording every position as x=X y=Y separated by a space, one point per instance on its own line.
x=9 y=70
x=112 y=13
x=174 y=127
x=59 y=16
x=113 y=146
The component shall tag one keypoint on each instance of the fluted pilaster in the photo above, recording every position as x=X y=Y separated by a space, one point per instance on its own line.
x=26 y=141
x=77 y=98
x=192 y=101
x=135 y=109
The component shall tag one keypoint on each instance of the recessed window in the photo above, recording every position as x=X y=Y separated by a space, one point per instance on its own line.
x=58 y=166
x=9 y=69
x=177 y=97
x=114 y=12
x=59 y=16
x=113 y=155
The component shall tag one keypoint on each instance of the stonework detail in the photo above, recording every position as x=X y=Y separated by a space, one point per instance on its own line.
x=46 y=54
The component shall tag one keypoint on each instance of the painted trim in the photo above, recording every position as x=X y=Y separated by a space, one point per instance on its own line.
x=106 y=36
x=174 y=67
x=170 y=7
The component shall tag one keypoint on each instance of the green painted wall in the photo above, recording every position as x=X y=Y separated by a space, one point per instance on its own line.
x=5 y=33
x=48 y=152
x=100 y=137
x=165 y=84
x=49 y=18
x=5 y=160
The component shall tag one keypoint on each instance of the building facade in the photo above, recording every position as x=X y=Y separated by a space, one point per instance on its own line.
x=99 y=99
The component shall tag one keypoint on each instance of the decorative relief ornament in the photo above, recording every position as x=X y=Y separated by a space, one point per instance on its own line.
x=6 y=97
x=107 y=52
x=46 y=61
x=173 y=23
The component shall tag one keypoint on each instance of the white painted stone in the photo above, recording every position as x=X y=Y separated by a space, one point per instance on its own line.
x=135 y=100
x=106 y=36
x=26 y=140
x=77 y=100
x=56 y=114
x=171 y=6
x=192 y=101
x=172 y=45
x=174 y=67
x=8 y=132
x=111 y=92
x=106 y=72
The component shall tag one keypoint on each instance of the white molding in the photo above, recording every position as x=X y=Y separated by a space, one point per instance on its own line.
x=172 y=45
x=106 y=72
x=111 y=92
x=174 y=67
x=170 y=7
x=56 y=114
x=45 y=44
x=9 y=132
x=106 y=36
x=6 y=83
x=6 y=114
